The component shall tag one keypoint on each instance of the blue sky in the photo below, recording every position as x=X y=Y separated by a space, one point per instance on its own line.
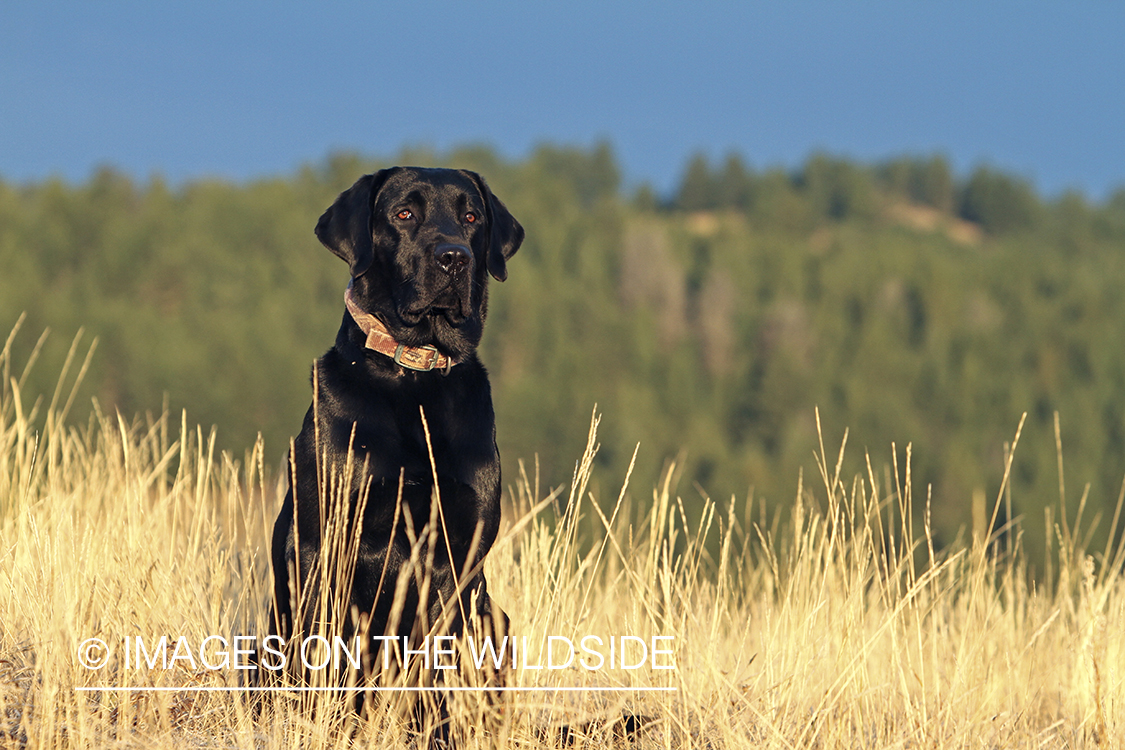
x=244 y=89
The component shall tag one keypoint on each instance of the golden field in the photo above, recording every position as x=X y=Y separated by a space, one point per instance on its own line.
x=833 y=625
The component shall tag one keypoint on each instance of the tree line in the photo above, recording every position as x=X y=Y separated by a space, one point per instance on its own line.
x=907 y=303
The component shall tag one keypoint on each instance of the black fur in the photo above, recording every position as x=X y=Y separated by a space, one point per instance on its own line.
x=420 y=265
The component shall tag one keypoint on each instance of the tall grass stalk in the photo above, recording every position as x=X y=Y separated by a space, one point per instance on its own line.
x=831 y=625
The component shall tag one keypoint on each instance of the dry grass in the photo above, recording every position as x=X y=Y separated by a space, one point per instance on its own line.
x=815 y=630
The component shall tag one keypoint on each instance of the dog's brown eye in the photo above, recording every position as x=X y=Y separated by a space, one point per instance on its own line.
x=404 y=214
x=470 y=217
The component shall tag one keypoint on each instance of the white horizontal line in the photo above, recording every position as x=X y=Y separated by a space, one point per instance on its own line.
x=462 y=689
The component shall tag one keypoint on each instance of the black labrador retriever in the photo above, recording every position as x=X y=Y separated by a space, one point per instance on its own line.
x=420 y=244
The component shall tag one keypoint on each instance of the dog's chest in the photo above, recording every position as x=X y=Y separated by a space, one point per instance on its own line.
x=415 y=428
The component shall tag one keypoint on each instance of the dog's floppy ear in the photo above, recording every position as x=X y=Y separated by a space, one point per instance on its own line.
x=345 y=228
x=506 y=233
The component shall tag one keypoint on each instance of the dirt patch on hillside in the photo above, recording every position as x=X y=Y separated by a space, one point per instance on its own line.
x=927 y=219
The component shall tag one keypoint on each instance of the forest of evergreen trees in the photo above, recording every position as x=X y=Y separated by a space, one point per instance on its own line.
x=909 y=303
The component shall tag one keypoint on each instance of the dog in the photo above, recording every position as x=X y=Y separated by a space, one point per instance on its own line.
x=402 y=416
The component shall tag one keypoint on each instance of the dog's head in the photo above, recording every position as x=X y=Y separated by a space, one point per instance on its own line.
x=420 y=244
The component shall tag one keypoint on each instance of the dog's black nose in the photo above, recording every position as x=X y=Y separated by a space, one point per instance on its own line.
x=452 y=258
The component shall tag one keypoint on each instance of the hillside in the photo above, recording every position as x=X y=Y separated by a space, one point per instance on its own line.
x=911 y=306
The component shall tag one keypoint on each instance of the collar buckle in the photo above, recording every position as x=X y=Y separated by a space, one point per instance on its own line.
x=415 y=357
